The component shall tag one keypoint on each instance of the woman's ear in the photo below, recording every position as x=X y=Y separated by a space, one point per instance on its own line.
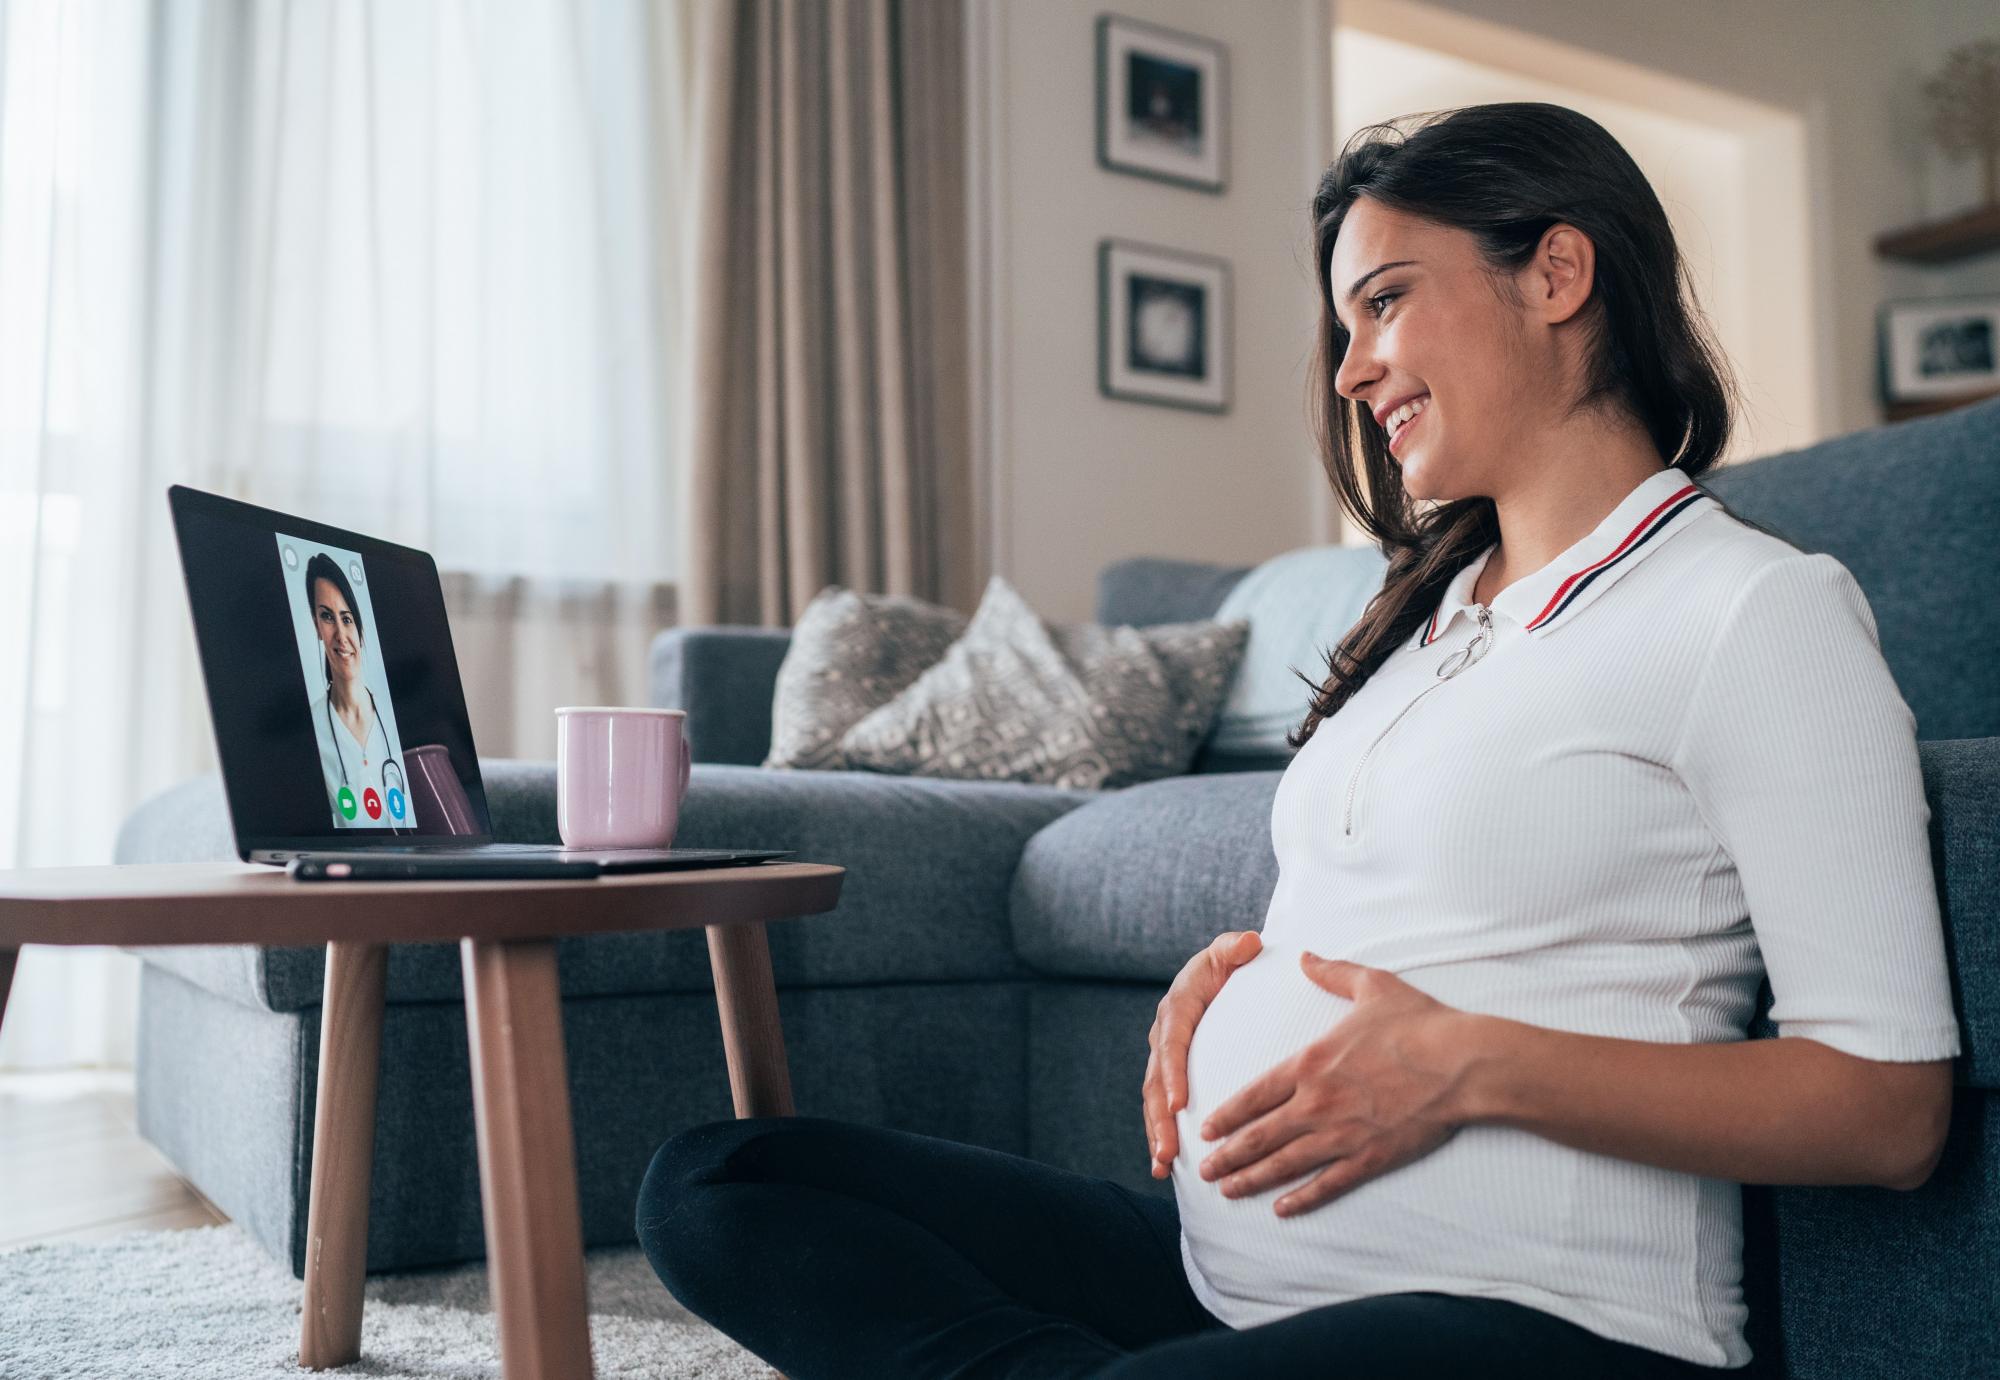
x=1561 y=274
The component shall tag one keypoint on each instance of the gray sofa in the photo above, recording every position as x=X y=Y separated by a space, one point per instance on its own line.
x=993 y=965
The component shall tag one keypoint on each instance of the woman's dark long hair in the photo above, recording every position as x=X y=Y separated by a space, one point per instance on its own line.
x=1505 y=173
x=325 y=567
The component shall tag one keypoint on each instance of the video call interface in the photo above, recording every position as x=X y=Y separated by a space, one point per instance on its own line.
x=328 y=661
x=353 y=714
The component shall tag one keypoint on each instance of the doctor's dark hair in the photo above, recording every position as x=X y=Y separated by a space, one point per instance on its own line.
x=1505 y=173
x=324 y=567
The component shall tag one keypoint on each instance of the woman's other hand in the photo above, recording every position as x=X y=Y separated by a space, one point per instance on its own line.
x=1382 y=1088
x=1164 y=1091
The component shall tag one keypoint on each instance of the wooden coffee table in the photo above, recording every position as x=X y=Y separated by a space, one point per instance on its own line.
x=520 y=1095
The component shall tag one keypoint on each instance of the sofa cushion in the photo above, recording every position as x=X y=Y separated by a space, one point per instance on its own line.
x=850 y=654
x=1141 y=591
x=924 y=900
x=1132 y=884
x=1962 y=789
x=1088 y=706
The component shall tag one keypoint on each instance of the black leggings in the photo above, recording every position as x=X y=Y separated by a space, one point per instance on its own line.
x=833 y=1249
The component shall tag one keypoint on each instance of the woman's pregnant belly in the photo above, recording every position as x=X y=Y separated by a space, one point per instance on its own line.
x=1266 y=1012
x=1489 y=1202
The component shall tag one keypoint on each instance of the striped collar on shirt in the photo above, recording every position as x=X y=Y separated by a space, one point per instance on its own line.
x=1662 y=503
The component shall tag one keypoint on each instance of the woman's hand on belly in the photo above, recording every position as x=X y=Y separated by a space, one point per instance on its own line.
x=1164 y=1089
x=1382 y=1088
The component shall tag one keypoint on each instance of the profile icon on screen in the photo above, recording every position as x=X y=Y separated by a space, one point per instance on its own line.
x=360 y=756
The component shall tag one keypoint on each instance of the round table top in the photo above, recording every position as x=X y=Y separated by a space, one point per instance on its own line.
x=139 y=904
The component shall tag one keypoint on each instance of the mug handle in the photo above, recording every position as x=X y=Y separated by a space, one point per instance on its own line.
x=687 y=768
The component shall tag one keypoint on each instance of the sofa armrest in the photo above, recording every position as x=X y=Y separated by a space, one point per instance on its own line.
x=725 y=678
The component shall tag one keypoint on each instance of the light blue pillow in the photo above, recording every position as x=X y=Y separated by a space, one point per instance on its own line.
x=1298 y=605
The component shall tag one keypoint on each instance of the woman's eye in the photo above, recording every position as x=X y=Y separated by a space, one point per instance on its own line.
x=1383 y=299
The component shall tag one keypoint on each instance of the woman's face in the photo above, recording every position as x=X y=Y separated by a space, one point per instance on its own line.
x=339 y=635
x=1435 y=327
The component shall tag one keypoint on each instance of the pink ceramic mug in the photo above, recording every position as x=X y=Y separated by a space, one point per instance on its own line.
x=621 y=775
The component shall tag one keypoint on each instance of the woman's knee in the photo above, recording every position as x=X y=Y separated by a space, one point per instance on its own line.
x=689 y=1161
x=681 y=1219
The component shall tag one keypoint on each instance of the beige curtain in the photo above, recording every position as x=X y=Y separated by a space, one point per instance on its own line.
x=828 y=430
x=527 y=646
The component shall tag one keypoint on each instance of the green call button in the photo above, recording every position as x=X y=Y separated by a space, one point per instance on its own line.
x=347 y=806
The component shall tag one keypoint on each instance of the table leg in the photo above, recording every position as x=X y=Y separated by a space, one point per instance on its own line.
x=746 y=997
x=7 y=957
x=527 y=1159
x=343 y=1153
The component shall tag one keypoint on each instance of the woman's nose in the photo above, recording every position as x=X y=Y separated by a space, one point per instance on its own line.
x=1357 y=370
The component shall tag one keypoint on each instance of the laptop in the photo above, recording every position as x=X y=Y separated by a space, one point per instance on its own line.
x=340 y=719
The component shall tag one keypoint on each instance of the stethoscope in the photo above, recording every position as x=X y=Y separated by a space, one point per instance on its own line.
x=389 y=763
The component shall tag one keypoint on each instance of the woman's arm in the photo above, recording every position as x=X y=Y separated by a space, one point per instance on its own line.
x=1780 y=1111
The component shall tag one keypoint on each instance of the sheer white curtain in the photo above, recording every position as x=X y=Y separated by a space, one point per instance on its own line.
x=411 y=269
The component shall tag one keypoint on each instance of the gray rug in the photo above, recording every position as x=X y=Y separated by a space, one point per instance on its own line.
x=207 y=1302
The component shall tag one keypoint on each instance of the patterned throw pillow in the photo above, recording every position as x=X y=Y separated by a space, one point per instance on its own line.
x=1086 y=706
x=850 y=653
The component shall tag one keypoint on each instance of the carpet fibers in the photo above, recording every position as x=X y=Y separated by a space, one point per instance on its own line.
x=208 y=1302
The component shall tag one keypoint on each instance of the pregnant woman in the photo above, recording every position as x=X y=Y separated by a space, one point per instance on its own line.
x=1597 y=759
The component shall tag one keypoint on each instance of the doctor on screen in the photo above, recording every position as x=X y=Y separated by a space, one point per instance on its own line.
x=363 y=778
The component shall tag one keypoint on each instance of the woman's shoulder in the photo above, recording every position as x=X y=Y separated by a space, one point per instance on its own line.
x=1726 y=550
x=1726 y=561
x=1725 y=581
x=1740 y=585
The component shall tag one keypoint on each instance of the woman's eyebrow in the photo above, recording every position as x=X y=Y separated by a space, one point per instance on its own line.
x=1362 y=281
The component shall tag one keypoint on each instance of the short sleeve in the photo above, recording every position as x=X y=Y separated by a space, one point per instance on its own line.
x=1801 y=755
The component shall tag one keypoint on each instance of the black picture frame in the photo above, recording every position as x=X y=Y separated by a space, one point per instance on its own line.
x=1192 y=294
x=1193 y=73
x=1939 y=348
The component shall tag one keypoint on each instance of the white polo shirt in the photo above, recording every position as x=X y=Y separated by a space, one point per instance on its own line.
x=1679 y=761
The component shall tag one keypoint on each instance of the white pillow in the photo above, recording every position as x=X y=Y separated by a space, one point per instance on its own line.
x=1299 y=605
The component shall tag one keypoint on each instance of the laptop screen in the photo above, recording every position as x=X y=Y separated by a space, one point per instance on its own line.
x=339 y=715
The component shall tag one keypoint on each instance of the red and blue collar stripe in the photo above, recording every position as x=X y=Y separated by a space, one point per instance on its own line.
x=1649 y=527
x=1574 y=585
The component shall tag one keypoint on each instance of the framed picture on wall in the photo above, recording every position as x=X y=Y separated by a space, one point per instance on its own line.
x=1940 y=348
x=1162 y=326
x=1162 y=103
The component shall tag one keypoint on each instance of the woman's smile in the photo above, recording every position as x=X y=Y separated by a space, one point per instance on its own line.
x=1402 y=432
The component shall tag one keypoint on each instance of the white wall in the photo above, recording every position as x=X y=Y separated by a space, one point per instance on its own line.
x=1074 y=479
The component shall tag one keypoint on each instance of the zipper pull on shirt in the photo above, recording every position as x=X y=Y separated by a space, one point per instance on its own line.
x=1472 y=650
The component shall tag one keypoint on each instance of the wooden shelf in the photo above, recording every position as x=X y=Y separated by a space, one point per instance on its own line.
x=1942 y=241
x=1903 y=411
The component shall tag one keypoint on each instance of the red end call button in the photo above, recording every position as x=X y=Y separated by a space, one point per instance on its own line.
x=372 y=803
